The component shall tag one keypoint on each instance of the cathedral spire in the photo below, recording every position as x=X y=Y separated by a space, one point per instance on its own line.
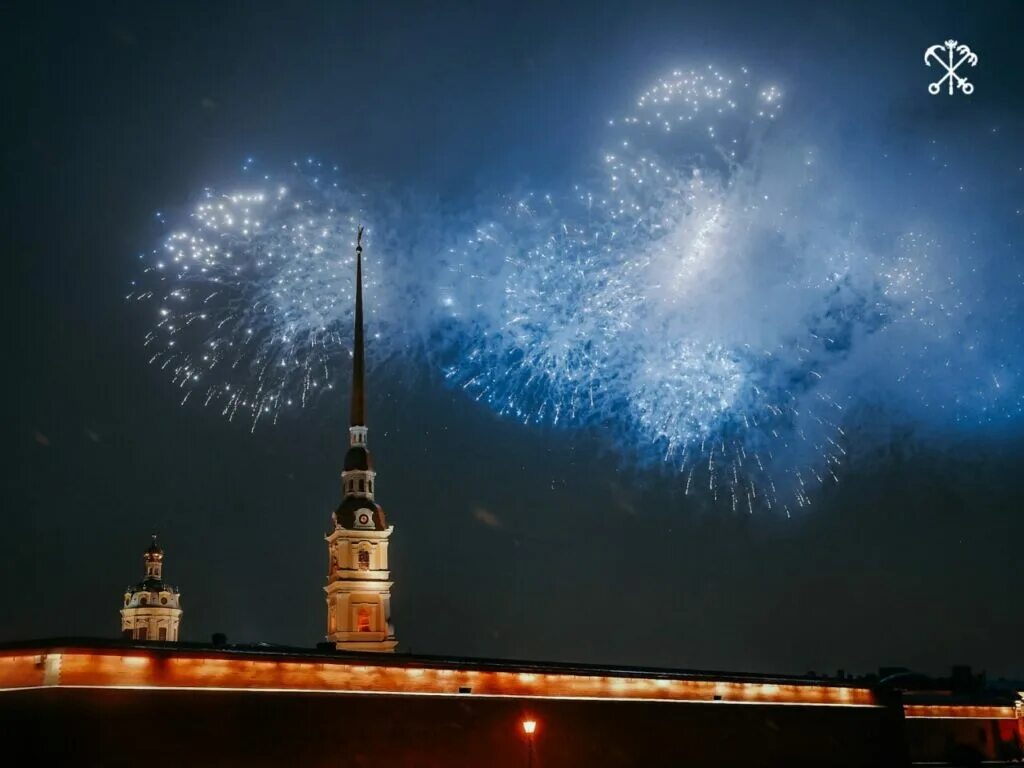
x=358 y=414
x=358 y=580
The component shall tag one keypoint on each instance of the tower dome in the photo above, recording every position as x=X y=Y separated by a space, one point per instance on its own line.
x=151 y=608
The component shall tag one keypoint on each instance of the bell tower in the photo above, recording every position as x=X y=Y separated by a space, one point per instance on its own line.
x=152 y=608
x=358 y=580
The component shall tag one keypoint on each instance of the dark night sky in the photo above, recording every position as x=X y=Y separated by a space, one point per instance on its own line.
x=510 y=541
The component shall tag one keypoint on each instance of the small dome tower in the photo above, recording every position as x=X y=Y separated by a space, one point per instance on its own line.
x=152 y=609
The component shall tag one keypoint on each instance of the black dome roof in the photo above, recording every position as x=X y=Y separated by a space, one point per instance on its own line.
x=345 y=514
x=151 y=585
x=358 y=458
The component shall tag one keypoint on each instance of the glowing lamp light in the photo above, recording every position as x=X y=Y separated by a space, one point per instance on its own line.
x=529 y=726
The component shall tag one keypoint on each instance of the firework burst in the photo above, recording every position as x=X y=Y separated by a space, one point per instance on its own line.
x=252 y=293
x=709 y=299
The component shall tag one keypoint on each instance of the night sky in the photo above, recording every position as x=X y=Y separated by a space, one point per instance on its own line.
x=511 y=540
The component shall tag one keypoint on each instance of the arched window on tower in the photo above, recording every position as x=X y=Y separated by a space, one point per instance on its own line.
x=364 y=560
x=363 y=620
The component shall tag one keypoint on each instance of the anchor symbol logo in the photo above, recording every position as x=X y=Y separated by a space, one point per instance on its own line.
x=943 y=55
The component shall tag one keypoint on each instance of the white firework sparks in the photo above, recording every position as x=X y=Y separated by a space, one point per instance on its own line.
x=252 y=293
x=712 y=300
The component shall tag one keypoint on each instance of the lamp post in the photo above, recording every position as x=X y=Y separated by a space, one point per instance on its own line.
x=529 y=728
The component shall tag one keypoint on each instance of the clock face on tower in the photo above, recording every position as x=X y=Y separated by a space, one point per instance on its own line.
x=363 y=518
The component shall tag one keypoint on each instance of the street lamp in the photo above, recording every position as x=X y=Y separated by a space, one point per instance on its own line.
x=529 y=728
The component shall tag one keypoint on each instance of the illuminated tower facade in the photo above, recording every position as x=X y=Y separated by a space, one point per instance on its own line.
x=358 y=580
x=152 y=609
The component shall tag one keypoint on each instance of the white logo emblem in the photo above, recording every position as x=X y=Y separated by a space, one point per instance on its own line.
x=944 y=55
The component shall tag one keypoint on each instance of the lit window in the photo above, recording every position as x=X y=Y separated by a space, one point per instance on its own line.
x=364 y=560
x=363 y=620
